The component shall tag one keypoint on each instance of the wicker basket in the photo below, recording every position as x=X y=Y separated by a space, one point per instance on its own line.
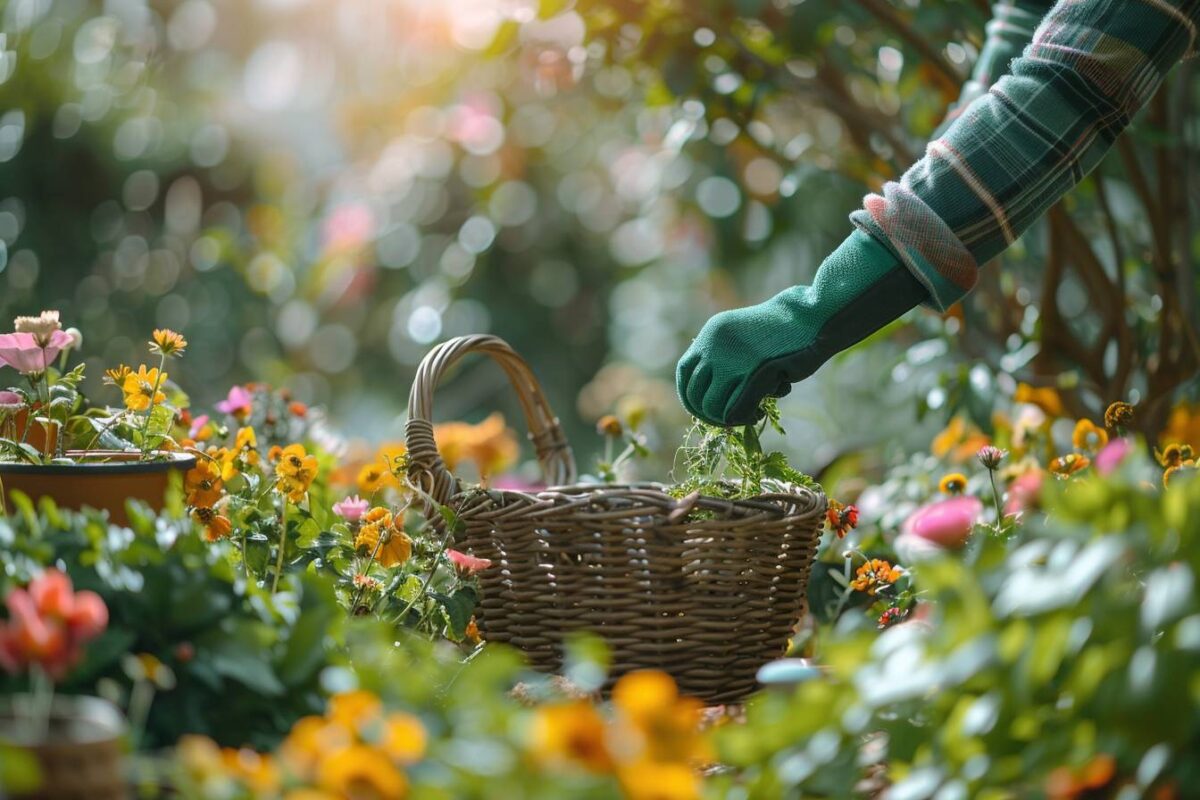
x=708 y=598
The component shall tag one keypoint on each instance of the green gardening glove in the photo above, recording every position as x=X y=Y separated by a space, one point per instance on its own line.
x=746 y=354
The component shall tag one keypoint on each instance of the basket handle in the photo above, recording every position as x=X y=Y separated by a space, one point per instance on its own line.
x=425 y=466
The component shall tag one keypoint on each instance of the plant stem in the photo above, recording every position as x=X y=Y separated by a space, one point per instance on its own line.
x=42 y=689
x=162 y=362
x=996 y=499
x=282 y=546
x=437 y=557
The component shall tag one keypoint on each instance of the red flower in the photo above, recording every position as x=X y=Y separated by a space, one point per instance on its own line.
x=841 y=518
x=468 y=564
x=48 y=623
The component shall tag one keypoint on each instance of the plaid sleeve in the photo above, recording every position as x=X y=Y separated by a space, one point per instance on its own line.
x=1036 y=133
x=1010 y=30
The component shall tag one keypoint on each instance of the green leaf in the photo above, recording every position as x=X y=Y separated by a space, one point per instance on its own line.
x=458 y=608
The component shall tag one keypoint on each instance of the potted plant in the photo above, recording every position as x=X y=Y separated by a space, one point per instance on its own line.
x=54 y=444
x=75 y=742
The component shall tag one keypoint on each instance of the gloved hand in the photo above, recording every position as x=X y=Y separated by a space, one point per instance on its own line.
x=746 y=354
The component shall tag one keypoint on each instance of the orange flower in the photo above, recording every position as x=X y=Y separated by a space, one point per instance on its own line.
x=167 y=343
x=256 y=772
x=1088 y=436
x=841 y=518
x=958 y=441
x=875 y=575
x=1118 y=415
x=1068 y=465
x=1065 y=783
x=215 y=525
x=1183 y=424
x=1044 y=397
x=396 y=548
x=571 y=733
x=659 y=725
x=404 y=738
x=490 y=444
x=659 y=780
x=373 y=477
x=361 y=771
x=203 y=483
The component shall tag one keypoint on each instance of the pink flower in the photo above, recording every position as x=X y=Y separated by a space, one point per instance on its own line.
x=351 y=509
x=945 y=523
x=22 y=352
x=1111 y=456
x=468 y=564
x=238 y=402
x=10 y=401
x=197 y=425
x=1023 y=492
x=348 y=227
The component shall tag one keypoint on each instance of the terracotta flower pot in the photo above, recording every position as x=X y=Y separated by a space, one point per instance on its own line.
x=102 y=480
x=43 y=436
x=80 y=757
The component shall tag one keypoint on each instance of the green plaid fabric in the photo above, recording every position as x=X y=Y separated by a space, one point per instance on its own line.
x=1015 y=150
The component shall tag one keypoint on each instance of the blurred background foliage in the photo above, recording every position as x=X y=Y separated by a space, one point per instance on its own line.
x=316 y=192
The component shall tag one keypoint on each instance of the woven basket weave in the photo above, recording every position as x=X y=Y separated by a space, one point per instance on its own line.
x=705 y=589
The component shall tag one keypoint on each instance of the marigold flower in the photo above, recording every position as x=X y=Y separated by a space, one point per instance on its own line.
x=664 y=725
x=354 y=708
x=140 y=389
x=571 y=733
x=167 y=343
x=954 y=483
x=257 y=772
x=116 y=376
x=958 y=441
x=1118 y=415
x=472 y=633
x=841 y=518
x=1068 y=465
x=361 y=771
x=203 y=483
x=297 y=409
x=216 y=526
x=990 y=456
x=875 y=575
x=295 y=472
x=1088 y=436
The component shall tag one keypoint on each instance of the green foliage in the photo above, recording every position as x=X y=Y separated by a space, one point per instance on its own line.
x=731 y=462
x=246 y=663
x=1076 y=638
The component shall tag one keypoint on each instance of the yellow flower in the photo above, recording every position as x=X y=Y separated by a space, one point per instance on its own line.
x=874 y=575
x=659 y=724
x=397 y=546
x=1183 y=424
x=354 y=708
x=246 y=445
x=361 y=771
x=295 y=472
x=651 y=780
x=958 y=441
x=215 y=525
x=571 y=733
x=403 y=738
x=308 y=742
x=1088 y=436
x=116 y=376
x=256 y=772
x=1065 y=466
x=373 y=477
x=139 y=388
x=954 y=483
x=203 y=483
x=1044 y=397
x=168 y=343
